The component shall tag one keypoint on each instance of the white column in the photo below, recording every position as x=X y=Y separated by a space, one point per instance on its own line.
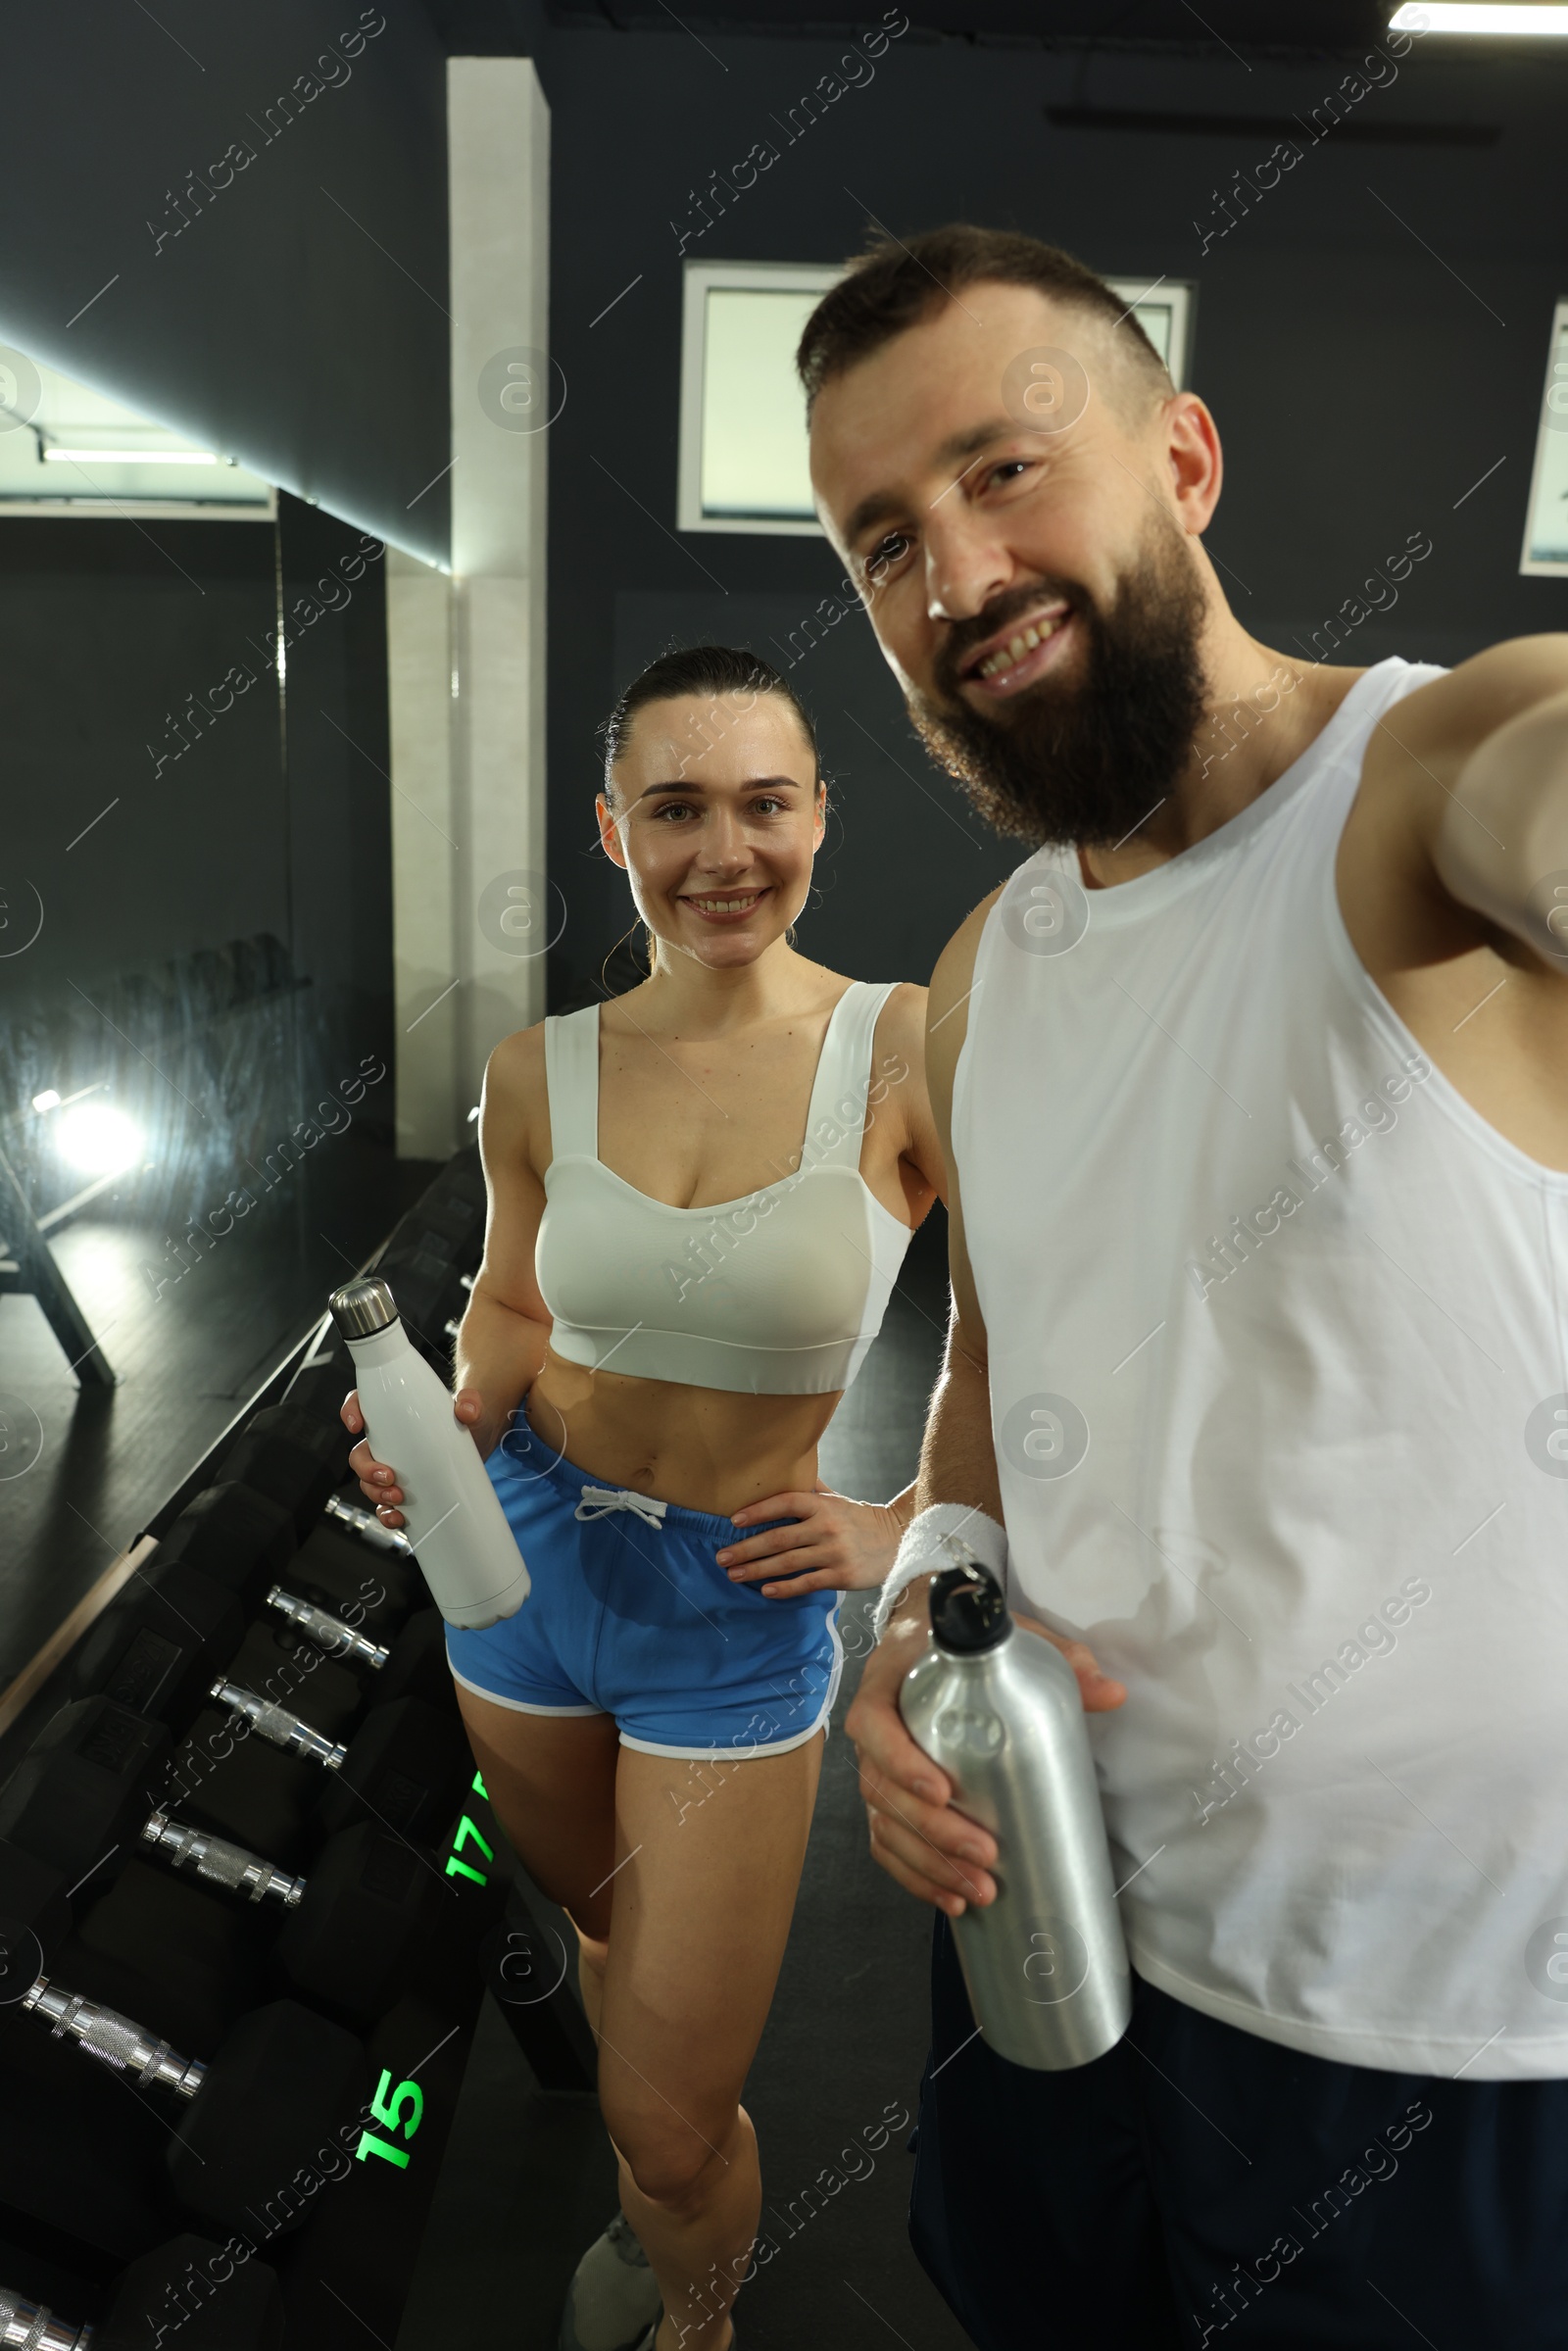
x=505 y=394
x=424 y=858
x=466 y=653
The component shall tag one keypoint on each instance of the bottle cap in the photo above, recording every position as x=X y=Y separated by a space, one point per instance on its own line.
x=362 y=1308
x=968 y=1610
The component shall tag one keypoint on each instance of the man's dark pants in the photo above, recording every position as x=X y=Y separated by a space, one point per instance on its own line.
x=1199 y=2184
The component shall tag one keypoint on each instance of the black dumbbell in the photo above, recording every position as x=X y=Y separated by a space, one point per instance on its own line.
x=239 y=1787
x=406 y=1765
x=283 y=2082
x=78 y=1802
x=275 y=1657
x=414 y=1664
x=294 y=1460
x=157 y=1648
x=352 y=1930
x=161 y=1645
x=189 y=1964
x=176 y=1956
x=317 y=1388
x=86 y=1784
x=367 y=1527
x=352 y=1565
x=429 y=1290
x=461 y=1178
x=190 y=2284
x=97 y=1769
x=80 y=2155
x=239 y=1537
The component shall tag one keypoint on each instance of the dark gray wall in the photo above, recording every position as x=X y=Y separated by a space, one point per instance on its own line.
x=337 y=757
x=132 y=830
x=167 y=793
x=293 y=319
x=1372 y=336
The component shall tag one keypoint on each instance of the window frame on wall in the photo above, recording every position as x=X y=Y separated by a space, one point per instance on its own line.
x=700 y=279
x=1531 y=565
x=1178 y=295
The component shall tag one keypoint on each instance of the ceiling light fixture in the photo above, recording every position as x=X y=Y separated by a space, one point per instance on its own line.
x=131 y=456
x=1513 y=18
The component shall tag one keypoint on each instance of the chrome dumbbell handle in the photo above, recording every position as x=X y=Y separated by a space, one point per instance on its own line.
x=329 y=1632
x=278 y=1726
x=220 y=1862
x=113 y=2040
x=366 y=1526
x=25 y=2326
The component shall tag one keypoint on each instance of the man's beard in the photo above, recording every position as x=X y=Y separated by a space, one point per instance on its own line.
x=1082 y=760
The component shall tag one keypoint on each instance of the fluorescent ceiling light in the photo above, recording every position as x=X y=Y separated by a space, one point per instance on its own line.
x=131 y=457
x=1481 y=15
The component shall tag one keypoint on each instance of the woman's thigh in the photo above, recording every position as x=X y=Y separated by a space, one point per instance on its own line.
x=551 y=1780
x=707 y=1863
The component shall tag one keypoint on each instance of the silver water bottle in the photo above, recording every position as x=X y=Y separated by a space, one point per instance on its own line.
x=999 y=1710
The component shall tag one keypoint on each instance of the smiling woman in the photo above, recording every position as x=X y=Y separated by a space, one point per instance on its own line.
x=707 y=693
x=701 y=1193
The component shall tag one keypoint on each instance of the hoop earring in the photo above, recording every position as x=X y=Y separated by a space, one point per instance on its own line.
x=789 y=935
x=604 y=968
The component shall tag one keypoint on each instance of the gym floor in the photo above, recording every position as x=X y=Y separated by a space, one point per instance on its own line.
x=188 y=1365
x=528 y=2180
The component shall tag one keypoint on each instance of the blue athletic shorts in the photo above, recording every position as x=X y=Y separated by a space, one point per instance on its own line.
x=630 y=1615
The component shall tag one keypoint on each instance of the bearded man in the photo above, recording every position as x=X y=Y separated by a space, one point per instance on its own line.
x=1254 y=1088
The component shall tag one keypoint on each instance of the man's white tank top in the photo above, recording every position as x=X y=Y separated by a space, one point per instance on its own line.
x=1279 y=1374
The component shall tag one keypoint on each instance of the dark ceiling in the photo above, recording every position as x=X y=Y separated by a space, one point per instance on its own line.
x=1288 y=26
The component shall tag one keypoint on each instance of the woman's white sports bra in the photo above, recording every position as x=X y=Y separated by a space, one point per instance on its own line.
x=779 y=1294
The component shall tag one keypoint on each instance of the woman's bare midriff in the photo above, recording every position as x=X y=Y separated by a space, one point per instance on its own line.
x=702 y=1448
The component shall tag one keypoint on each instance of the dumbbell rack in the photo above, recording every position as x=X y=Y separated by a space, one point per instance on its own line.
x=272 y=1486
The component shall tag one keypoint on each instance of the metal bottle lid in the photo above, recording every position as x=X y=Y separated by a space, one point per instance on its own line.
x=362 y=1308
x=968 y=1610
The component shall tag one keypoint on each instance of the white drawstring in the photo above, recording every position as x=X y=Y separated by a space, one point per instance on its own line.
x=605 y=1499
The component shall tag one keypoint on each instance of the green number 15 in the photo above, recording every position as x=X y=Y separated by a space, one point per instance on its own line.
x=390 y=2112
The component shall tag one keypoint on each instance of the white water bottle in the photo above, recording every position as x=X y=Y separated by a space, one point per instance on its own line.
x=457 y=1529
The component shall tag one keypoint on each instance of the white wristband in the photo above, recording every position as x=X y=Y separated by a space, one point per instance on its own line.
x=926 y=1548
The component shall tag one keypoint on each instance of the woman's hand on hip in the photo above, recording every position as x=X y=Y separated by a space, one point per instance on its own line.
x=378 y=1481
x=835 y=1545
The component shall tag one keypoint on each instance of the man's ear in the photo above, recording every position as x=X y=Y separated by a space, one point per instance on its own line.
x=1196 y=461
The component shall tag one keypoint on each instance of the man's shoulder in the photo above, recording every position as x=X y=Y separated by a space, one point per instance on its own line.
x=948 y=1006
x=954 y=970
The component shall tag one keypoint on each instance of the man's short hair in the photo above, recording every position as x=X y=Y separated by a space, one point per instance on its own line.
x=893 y=286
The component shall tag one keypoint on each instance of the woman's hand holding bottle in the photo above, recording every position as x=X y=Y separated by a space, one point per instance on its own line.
x=378 y=1479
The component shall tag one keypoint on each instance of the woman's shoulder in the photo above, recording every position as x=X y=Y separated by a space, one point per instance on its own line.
x=515 y=1075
